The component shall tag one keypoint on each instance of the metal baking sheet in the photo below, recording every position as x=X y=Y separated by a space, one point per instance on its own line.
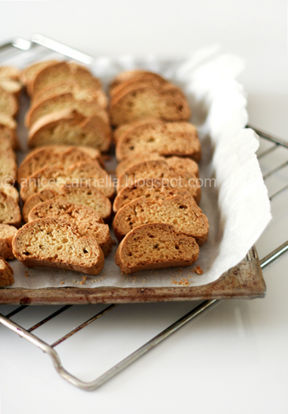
x=244 y=280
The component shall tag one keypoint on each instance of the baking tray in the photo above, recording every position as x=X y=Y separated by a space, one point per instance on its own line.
x=242 y=281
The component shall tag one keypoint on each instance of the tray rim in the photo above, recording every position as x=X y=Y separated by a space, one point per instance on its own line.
x=243 y=281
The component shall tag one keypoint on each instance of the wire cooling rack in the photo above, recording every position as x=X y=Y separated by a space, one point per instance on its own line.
x=271 y=168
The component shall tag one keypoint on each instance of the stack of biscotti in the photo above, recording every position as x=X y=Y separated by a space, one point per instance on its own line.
x=10 y=216
x=157 y=217
x=64 y=186
x=68 y=106
x=65 y=192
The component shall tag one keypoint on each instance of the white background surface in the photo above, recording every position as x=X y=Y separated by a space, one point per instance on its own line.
x=234 y=358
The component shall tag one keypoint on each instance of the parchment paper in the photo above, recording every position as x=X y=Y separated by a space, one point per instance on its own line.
x=237 y=206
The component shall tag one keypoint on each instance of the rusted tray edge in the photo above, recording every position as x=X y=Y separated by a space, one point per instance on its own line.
x=242 y=281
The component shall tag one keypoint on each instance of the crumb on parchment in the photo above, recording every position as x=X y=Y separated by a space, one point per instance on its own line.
x=26 y=273
x=182 y=282
x=83 y=280
x=198 y=270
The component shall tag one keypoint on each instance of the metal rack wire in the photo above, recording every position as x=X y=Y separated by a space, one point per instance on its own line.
x=29 y=335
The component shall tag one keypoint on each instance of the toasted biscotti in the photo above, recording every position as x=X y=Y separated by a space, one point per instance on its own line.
x=10 y=191
x=141 y=100
x=8 y=131
x=11 y=86
x=9 y=210
x=164 y=138
x=33 y=200
x=64 y=72
x=86 y=219
x=8 y=166
x=6 y=235
x=87 y=174
x=135 y=74
x=8 y=103
x=160 y=170
x=6 y=274
x=9 y=72
x=154 y=246
x=154 y=82
x=65 y=101
x=182 y=213
x=70 y=128
x=29 y=74
x=179 y=164
x=57 y=243
x=53 y=155
x=79 y=93
x=152 y=190
x=80 y=195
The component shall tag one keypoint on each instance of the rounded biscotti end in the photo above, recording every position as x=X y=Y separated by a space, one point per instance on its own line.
x=57 y=243
x=7 y=233
x=154 y=246
x=6 y=274
x=182 y=213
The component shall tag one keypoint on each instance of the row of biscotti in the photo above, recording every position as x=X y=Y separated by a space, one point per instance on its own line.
x=68 y=106
x=157 y=212
x=10 y=216
x=66 y=192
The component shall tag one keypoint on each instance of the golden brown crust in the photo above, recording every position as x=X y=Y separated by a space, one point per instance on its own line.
x=160 y=170
x=6 y=274
x=9 y=72
x=132 y=75
x=63 y=155
x=163 y=138
x=9 y=210
x=141 y=100
x=29 y=74
x=153 y=190
x=154 y=246
x=64 y=101
x=86 y=219
x=87 y=174
x=7 y=233
x=70 y=128
x=57 y=243
x=184 y=215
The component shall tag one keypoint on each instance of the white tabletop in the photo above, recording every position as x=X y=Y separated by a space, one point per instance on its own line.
x=233 y=358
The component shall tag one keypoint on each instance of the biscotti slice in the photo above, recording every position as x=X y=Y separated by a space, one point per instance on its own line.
x=79 y=93
x=57 y=243
x=154 y=246
x=164 y=138
x=80 y=195
x=37 y=198
x=29 y=74
x=160 y=170
x=182 y=213
x=9 y=72
x=141 y=100
x=55 y=155
x=179 y=164
x=136 y=74
x=70 y=128
x=8 y=131
x=6 y=274
x=144 y=80
x=86 y=219
x=64 y=72
x=61 y=102
x=8 y=103
x=8 y=167
x=9 y=210
x=152 y=190
x=11 y=86
x=87 y=174
x=10 y=191
x=6 y=235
